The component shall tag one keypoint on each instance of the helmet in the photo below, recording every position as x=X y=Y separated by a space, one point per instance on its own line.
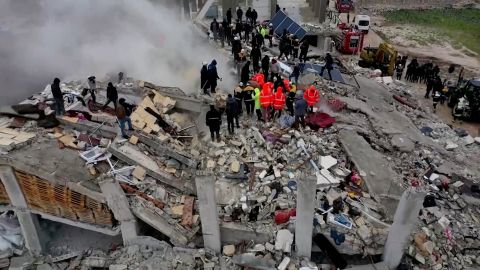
x=236 y=38
x=240 y=84
x=270 y=24
x=204 y=63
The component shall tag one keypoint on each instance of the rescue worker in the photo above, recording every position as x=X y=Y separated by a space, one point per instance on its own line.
x=399 y=71
x=266 y=100
x=311 y=96
x=248 y=16
x=290 y=101
x=221 y=35
x=112 y=96
x=236 y=48
x=204 y=78
x=295 y=73
x=213 y=121
x=255 y=55
x=274 y=69
x=300 y=109
x=239 y=14
x=213 y=76
x=303 y=51
x=214 y=27
x=92 y=87
x=248 y=94
x=328 y=65
x=238 y=93
x=254 y=17
x=271 y=33
x=123 y=117
x=58 y=97
x=229 y=15
x=231 y=110
x=265 y=66
x=279 y=102
x=296 y=46
x=258 y=107
x=245 y=74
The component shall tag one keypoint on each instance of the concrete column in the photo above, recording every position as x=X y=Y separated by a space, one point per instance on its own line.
x=208 y=211
x=316 y=7
x=273 y=7
x=323 y=10
x=186 y=9
x=28 y=222
x=404 y=221
x=118 y=203
x=306 y=191
x=193 y=5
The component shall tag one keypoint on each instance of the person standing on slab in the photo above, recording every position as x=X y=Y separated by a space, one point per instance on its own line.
x=58 y=97
x=213 y=121
x=112 y=96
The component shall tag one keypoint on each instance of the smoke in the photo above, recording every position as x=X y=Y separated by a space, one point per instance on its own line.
x=71 y=39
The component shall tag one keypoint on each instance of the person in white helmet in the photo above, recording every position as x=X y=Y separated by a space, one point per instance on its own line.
x=271 y=32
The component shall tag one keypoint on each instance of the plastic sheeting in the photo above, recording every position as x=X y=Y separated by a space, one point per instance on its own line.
x=319 y=120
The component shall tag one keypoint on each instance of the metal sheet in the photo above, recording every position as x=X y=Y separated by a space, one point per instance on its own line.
x=281 y=21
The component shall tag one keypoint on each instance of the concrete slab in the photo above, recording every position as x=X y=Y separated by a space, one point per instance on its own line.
x=379 y=176
x=305 y=211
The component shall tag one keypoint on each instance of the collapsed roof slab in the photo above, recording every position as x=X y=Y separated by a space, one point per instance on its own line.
x=379 y=176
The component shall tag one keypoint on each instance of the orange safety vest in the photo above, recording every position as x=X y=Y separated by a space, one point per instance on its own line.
x=279 y=99
x=266 y=97
x=287 y=84
x=311 y=96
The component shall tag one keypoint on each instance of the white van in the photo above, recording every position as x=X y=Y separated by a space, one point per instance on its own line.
x=362 y=22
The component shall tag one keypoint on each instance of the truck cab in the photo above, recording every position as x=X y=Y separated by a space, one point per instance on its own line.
x=344 y=6
x=362 y=23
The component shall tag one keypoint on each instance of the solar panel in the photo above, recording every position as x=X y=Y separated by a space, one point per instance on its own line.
x=336 y=74
x=281 y=21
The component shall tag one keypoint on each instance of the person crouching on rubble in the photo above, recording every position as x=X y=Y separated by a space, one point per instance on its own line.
x=112 y=96
x=231 y=109
x=300 y=109
x=123 y=112
x=58 y=97
x=213 y=121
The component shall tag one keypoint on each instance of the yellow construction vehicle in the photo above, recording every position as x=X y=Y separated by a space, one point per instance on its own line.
x=382 y=58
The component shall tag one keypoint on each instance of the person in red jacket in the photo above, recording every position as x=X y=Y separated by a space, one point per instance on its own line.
x=279 y=100
x=311 y=96
x=266 y=100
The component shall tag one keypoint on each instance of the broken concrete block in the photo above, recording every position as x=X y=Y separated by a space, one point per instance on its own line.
x=326 y=162
x=235 y=166
x=139 y=172
x=365 y=234
x=173 y=163
x=468 y=140
x=419 y=258
x=276 y=172
x=269 y=247
x=118 y=267
x=221 y=161
x=95 y=261
x=262 y=174
x=219 y=152
x=177 y=211
x=236 y=143
x=262 y=199
x=284 y=264
x=104 y=142
x=210 y=164
x=194 y=152
x=402 y=143
x=457 y=184
x=284 y=241
x=258 y=137
x=451 y=146
x=229 y=250
x=133 y=140
x=477 y=140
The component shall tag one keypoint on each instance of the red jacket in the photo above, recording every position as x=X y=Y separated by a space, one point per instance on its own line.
x=287 y=84
x=279 y=99
x=266 y=97
x=311 y=96
x=259 y=78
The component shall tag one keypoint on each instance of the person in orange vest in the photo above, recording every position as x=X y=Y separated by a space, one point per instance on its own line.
x=279 y=100
x=266 y=100
x=311 y=96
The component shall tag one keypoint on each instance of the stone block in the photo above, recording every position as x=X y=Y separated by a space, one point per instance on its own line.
x=284 y=241
x=235 y=166
x=118 y=267
x=133 y=140
x=139 y=172
x=229 y=250
x=326 y=162
x=284 y=264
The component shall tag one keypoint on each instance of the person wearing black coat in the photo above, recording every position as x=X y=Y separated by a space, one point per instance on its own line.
x=204 y=78
x=112 y=96
x=231 y=110
x=255 y=55
x=248 y=100
x=304 y=50
x=245 y=75
x=239 y=14
x=229 y=16
x=58 y=97
x=214 y=27
x=254 y=17
x=290 y=101
x=213 y=121
x=265 y=66
x=248 y=16
x=213 y=75
x=328 y=65
x=236 y=48
x=238 y=95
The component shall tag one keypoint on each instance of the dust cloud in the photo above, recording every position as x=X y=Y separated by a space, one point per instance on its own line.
x=70 y=39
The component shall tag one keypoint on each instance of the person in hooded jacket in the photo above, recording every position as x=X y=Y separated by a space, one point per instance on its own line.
x=238 y=96
x=213 y=75
x=290 y=101
x=204 y=78
x=254 y=17
x=231 y=110
x=229 y=15
x=214 y=27
x=245 y=74
x=300 y=109
x=236 y=48
x=112 y=96
x=213 y=120
x=248 y=16
x=58 y=97
x=239 y=14
x=328 y=65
